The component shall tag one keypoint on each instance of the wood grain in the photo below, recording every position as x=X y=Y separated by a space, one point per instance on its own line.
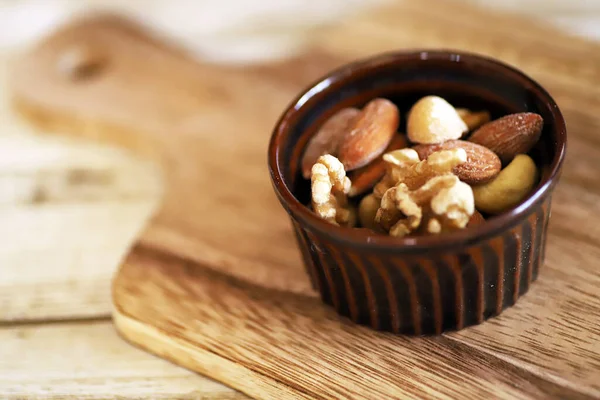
x=49 y=273
x=57 y=197
x=210 y=288
x=93 y=364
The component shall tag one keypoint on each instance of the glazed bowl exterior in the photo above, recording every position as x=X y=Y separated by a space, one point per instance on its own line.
x=426 y=284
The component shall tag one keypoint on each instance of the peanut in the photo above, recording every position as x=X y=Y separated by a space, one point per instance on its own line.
x=509 y=188
x=366 y=211
x=473 y=119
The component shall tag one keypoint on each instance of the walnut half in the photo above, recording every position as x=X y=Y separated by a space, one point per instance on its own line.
x=329 y=189
x=426 y=196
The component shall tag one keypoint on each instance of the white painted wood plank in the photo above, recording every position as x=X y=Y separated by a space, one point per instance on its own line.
x=68 y=213
x=89 y=361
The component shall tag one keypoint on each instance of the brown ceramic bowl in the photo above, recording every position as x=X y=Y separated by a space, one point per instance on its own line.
x=427 y=284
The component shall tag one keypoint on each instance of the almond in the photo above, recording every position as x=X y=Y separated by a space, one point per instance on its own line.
x=473 y=119
x=328 y=138
x=510 y=135
x=372 y=132
x=433 y=120
x=476 y=219
x=366 y=177
x=481 y=166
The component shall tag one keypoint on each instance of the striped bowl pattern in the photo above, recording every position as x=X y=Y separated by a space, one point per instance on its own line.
x=427 y=293
x=423 y=284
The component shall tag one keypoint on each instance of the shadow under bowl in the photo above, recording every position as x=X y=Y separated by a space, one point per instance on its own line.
x=425 y=284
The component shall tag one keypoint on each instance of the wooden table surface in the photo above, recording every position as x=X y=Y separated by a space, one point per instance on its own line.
x=65 y=227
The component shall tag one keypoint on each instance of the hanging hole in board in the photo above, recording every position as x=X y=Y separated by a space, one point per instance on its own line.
x=81 y=63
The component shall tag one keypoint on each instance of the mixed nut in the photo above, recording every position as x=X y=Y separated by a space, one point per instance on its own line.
x=452 y=166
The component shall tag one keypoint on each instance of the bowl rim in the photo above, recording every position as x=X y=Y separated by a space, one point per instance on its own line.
x=459 y=238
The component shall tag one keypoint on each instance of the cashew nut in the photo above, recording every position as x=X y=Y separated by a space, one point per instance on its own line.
x=511 y=186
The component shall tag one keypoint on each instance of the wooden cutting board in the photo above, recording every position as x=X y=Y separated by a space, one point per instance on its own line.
x=215 y=282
